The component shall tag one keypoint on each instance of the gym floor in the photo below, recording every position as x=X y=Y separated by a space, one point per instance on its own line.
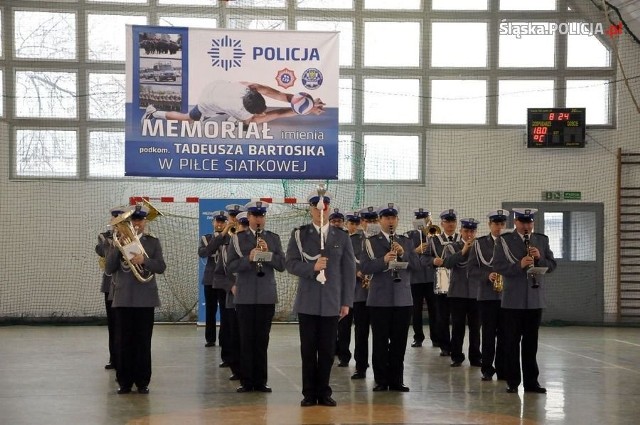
x=55 y=375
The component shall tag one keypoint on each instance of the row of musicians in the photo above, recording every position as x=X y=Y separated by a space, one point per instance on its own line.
x=472 y=277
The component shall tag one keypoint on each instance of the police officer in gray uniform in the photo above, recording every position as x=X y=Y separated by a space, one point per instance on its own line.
x=448 y=224
x=523 y=297
x=256 y=294
x=489 y=296
x=134 y=305
x=214 y=294
x=389 y=300
x=462 y=296
x=104 y=246
x=325 y=293
x=343 y=340
x=422 y=283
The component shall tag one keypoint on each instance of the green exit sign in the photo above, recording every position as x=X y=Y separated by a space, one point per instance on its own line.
x=559 y=195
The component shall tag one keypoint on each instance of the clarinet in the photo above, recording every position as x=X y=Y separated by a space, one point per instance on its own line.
x=395 y=273
x=260 y=272
x=527 y=244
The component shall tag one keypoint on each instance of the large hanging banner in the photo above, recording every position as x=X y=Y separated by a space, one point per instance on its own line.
x=214 y=103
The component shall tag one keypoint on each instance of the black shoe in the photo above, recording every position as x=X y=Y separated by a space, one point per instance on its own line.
x=380 y=387
x=445 y=353
x=512 y=390
x=456 y=364
x=537 y=389
x=306 y=402
x=326 y=401
x=400 y=387
x=359 y=375
x=343 y=364
x=486 y=377
x=234 y=377
x=210 y=344
x=501 y=378
x=143 y=390
x=416 y=344
x=263 y=388
x=223 y=364
x=476 y=364
x=435 y=344
x=124 y=390
x=109 y=366
x=244 y=389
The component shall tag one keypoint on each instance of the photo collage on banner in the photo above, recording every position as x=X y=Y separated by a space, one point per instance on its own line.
x=213 y=103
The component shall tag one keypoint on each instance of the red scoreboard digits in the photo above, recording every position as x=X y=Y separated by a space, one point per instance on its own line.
x=556 y=128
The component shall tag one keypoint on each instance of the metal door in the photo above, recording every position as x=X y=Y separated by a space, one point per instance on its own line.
x=575 y=290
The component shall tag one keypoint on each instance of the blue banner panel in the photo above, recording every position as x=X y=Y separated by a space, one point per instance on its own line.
x=213 y=103
x=205 y=226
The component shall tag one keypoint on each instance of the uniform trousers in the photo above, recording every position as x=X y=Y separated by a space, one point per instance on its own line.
x=464 y=311
x=254 y=322
x=134 y=328
x=233 y=343
x=390 y=329
x=317 y=348
x=491 y=321
x=344 y=338
x=521 y=325
x=442 y=310
x=213 y=297
x=361 y=320
x=111 y=327
x=423 y=292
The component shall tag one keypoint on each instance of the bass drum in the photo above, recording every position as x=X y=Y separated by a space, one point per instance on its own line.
x=441 y=286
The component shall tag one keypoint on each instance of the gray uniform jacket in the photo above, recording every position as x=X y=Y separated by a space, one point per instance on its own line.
x=422 y=274
x=128 y=292
x=383 y=291
x=480 y=267
x=250 y=288
x=507 y=254
x=357 y=241
x=102 y=249
x=209 y=248
x=460 y=286
x=302 y=252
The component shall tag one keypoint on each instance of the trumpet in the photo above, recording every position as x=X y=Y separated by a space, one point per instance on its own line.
x=498 y=283
x=527 y=244
x=394 y=271
x=260 y=271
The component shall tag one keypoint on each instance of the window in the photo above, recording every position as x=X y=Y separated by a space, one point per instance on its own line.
x=345 y=101
x=391 y=44
x=46 y=94
x=106 y=96
x=391 y=101
x=106 y=150
x=393 y=5
x=527 y=4
x=458 y=101
x=107 y=36
x=46 y=153
x=45 y=35
x=459 y=5
x=400 y=163
x=345 y=157
x=590 y=94
x=515 y=96
x=180 y=21
x=257 y=24
x=459 y=44
x=324 y=4
x=520 y=50
x=598 y=57
x=553 y=228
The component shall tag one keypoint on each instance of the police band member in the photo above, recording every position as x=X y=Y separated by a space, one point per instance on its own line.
x=214 y=293
x=422 y=282
x=256 y=294
x=325 y=294
x=134 y=305
x=104 y=246
x=389 y=299
x=233 y=345
x=462 y=295
x=523 y=297
x=343 y=341
x=448 y=224
x=489 y=296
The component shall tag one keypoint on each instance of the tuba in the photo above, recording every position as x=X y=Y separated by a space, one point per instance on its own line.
x=126 y=239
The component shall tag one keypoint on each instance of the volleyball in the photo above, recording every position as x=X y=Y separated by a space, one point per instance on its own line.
x=302 y=103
